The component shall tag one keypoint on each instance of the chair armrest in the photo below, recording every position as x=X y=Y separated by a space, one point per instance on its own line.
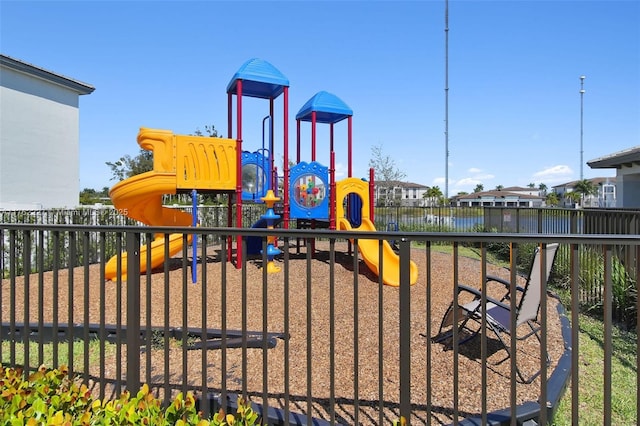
x=478 y=295
x=502 y=281
x=472 y=290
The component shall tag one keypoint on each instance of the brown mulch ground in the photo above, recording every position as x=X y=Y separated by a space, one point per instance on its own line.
x=350 y=372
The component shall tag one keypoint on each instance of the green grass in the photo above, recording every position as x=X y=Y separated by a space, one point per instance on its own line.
x=63 y=353
x=591 y=378
x=470 y=252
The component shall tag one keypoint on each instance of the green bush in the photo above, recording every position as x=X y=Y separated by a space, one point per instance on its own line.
x=591 y=279
x=51 y=397
x=524 y=256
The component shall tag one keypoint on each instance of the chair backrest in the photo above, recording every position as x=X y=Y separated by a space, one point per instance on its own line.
x=530 y=301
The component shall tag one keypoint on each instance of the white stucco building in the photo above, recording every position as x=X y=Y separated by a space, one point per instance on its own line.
x=400 y=193
x=39 y=137
x=605 y=197
x=513 y=196
x=627 y=165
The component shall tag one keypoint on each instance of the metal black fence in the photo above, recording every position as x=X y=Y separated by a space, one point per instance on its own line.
x=321 y=339
x=389 y=219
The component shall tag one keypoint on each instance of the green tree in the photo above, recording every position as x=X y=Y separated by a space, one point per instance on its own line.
x=585 y=188
x=573 y=196
x=499 y=187
x=128 y=166
x=90 y=196
x=388 y=175
x=210 y=131
x=531 y=185
x=434 y=195
x=552 y=199
x=479 y=188
x=543 y=189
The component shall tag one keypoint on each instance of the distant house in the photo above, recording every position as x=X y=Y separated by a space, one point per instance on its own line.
x=39 y=141
x=506 y=197
x=606 y=196
x=627 y=180
x=395 y=192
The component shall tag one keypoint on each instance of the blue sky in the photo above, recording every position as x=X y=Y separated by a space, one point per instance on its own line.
x=514 y=78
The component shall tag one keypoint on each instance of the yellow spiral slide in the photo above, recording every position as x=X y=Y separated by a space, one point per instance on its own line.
x=180 y=163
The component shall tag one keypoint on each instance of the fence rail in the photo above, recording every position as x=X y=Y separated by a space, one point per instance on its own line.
x=390 y=219
x=322 y=338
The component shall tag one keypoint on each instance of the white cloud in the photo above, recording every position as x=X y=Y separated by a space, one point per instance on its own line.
x=341 y=171
x=439 y=181
x=475 y=176
x=469 y=181
x=555 y=174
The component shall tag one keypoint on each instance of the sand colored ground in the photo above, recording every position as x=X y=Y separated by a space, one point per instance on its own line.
x=431 y=389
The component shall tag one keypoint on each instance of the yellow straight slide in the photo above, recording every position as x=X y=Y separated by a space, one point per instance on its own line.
x=370 y=251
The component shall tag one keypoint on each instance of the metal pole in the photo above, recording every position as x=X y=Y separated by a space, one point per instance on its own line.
x=405 y=329
x=194 y=223
x=446 y=101
x=133 y=311
x=582 y=77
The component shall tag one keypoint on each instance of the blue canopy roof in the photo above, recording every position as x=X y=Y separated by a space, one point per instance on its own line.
x=328 y=108
x=259 y=78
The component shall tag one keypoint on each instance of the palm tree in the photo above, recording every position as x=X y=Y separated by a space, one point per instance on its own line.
x=573 y=196
x=552 y=199
x=585 y=188
x=434 y=195
x=499 y=187
x=479 y=188
x=543 y=188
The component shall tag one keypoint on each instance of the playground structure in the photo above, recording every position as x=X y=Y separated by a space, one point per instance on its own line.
x=270 y=217
x=310 y=193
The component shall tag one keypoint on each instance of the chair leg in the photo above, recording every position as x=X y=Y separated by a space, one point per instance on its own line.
x=523 y=379
x=534 y=330
x=447 y=320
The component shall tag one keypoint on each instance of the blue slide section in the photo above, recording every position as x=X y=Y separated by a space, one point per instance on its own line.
x=254 y=244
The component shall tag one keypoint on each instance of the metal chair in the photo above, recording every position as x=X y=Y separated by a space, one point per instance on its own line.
x=498 y=310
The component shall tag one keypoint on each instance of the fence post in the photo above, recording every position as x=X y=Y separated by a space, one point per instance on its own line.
x=405 y=329
x=133 y=312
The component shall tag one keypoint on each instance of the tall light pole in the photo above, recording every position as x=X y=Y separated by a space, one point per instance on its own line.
x=582 y=77
x=446 y=101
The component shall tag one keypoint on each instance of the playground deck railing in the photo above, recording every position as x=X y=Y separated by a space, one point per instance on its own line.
x=322 y=339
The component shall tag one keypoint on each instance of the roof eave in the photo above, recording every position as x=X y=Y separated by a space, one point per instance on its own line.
x=34 y=71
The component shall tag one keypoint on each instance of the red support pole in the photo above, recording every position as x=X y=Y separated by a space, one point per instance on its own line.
x=230 y=201
x=229 y=225
x=313 y=136
x=239 y=177
x=272 y=145
x=286 y=160
x=371 y=201
x=332 y=191
x=297 y=141
x=330 y=138
x=229 y=115
x=350 y=131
